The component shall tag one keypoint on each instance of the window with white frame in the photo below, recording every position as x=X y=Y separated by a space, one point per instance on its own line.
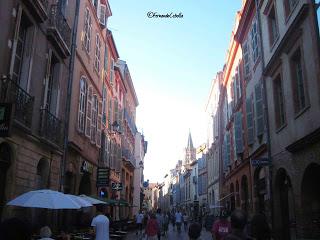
x=97 y=54
x=272 y=26
x=94 y=120
x=246 y=58
x=22 y=51
x=254 y=37
x=87 y=30
x=82 y=104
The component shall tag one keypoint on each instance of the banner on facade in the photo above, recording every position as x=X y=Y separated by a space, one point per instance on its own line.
x=103 y=175
x=5 y=119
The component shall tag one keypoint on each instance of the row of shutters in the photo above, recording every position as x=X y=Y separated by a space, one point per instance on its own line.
x=238 y=127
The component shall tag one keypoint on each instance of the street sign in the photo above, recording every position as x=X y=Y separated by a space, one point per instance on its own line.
x=260 y=162
x=116 y=186
x=5 y=119
x=103 y=177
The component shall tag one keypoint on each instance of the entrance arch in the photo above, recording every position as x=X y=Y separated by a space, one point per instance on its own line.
x=85 y=184
x=5 y=162
x=244 y=193
x=283 y=203
x=310 y=201
x=260 y=184
x=43 y=170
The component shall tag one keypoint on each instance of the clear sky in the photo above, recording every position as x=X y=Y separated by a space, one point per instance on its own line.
x=172 y=62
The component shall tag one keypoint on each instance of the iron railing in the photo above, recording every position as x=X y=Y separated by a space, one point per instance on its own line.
x=51 y=127
x=58 y=22
x=11 y=92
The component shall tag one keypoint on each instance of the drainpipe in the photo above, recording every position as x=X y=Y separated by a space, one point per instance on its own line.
x=265 y=105
x=69 y=92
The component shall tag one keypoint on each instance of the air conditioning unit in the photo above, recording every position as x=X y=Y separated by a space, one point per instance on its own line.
x=102 y=15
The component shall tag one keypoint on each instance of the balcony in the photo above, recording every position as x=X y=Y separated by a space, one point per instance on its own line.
x=38 y=8
x=59 y=31
x=11 y=92
x=51 y=128
x=128 y=157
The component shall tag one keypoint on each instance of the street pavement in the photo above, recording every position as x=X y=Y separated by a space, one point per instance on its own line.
x=173 y=235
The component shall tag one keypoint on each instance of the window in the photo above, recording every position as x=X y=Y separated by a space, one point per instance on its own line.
x=87 y=30
x=289 y=6
x=106 y=58
x=298 y=81
x=259 y=109
x=94 y=121
x=63 y=6
x=237 y=85
x=82 y=104
x=104 y=105
x=95 y=4
x=51 y=95
x=246 y=59
x=238 y=133
x=97 y=54
x=89 y=112
x=278 y=102
x=250 y=122
x=22 y=52
x=112 y=72
x=254 y=36
x=273 y=26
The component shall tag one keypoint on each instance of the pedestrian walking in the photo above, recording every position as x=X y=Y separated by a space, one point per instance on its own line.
x=221 y=227
x=178 y=217
x=139 y=221
x=45 y=233
x=194 y=231
x=185 y=221
x=152 y=228
x=160 y=222
x=166 y=220
x=100 y=224
x=238 y=224
x=260 y=229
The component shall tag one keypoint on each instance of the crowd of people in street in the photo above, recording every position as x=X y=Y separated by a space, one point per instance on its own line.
x=154 y=225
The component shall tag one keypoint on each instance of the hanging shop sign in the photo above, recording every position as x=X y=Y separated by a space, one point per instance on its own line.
x=86 y=167
x=103 y=175
x=5 y=119
x=116 y=186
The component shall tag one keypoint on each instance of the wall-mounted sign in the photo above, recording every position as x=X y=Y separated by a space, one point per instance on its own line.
x=260 y=162
x=86 y=167
x=116 y=186
x=5 y=119
x=145 y=184
x=103 y=175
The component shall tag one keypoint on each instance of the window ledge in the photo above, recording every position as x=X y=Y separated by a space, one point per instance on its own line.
x=302 y=111
x=279 y=129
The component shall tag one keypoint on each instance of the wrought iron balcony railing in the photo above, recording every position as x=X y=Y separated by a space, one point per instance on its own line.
x=59 y=30
x=51 y=127
x=39 y=8
x=11 y=92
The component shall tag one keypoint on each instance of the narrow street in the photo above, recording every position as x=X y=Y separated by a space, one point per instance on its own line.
x=173 y=235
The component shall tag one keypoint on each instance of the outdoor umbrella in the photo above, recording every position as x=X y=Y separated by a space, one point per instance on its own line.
x=92 y=200
x=81 y=201
x=44 y=199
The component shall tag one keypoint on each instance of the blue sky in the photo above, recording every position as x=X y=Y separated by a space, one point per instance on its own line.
x=172 y=62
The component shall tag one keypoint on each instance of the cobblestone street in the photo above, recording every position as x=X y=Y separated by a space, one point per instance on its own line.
x=173 y=235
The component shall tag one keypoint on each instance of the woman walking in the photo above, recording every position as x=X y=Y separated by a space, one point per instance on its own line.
x=152 y=228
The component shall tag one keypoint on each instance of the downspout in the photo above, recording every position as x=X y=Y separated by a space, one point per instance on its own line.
x=69 y=92
x=265 y=105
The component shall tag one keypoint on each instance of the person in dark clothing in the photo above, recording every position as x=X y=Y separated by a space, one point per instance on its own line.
x=15 y=228
x=238 y=224
x=260 y=229
x=194 y=231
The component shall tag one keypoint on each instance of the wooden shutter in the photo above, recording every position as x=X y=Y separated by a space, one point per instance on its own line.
x=238 y=133
x=47 y=77
x=99 y=123
x=259 y=110
x=102 y=14
x=110 y=113
x=89 y=112
x=228 y=149
x=250 y=129
x=94 y=115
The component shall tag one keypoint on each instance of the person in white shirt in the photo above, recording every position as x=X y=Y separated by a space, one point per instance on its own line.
x=139 y=220
x=100 y=224
x=178 y=220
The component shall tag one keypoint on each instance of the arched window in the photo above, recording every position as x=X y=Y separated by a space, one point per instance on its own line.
x=43 y=170
x=82 y=104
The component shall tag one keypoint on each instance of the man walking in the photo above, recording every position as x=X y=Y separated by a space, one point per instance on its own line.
x=100 y=224
x=178 y=220
x=238 y=224
x=139 y=220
